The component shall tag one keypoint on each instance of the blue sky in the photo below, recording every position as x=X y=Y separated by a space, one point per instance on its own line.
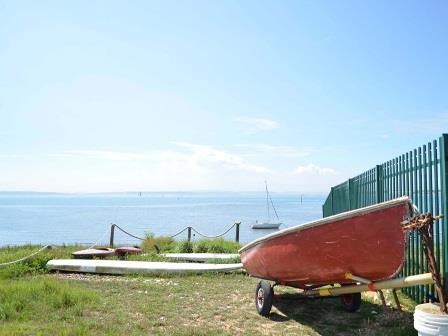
x=215 y=95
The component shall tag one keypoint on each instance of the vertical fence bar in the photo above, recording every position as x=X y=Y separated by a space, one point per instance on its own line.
x=361 y=190
x=420 y=202
x=425 y=209
x=416 y=234
x=389 y=185
x=384 y=178
x=403 y=175
x=411 y=235
x=401 y=181
x=349 y=191
x=430 y=196
x=408 y=249
x=443 y=145
x=387 y=180
x=369 y=187
x=379 y=183
x=436 y=201
x=396 y=179
x=391 y=189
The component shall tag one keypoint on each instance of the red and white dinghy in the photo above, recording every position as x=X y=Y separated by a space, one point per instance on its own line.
x=367 y=242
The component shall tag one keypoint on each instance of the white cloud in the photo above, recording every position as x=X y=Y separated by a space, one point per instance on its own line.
x=427 y=124
x=277 y=150
x=200 y=156
x=181 y=167
x=208 y=154
x=12 y=156
x=313 y=169
x=255 y=125
x=105 y=155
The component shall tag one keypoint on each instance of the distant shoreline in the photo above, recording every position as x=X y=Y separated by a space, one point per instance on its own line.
x=54 y=193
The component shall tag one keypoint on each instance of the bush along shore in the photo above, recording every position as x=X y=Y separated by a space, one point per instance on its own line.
x=36 y=302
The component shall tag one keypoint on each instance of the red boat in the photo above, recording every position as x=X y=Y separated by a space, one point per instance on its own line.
x=99 y=252
x=368 y=243
x=124 y=251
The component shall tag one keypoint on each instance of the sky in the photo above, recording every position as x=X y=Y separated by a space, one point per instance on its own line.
x=100 y=96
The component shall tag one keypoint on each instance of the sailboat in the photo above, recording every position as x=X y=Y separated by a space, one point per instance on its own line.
x=268 y=224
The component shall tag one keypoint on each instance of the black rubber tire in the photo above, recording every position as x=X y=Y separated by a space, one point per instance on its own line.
x=351 y=302
x=263 y=298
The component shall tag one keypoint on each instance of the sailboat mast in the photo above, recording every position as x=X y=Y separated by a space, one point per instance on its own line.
x=267 y=201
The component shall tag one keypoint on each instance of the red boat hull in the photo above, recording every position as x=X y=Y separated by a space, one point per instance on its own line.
x=368 y=243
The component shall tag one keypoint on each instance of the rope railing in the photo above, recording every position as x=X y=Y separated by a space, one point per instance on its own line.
x=129 y=234
x=188 y=228
x=183 y=230
x=217 y=236
x=25 y=258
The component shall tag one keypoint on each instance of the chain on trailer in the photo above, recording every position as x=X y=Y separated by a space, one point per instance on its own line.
x=423 y=223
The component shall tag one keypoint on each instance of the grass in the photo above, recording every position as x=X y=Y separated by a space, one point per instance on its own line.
x=33 y=302
x=32 y=305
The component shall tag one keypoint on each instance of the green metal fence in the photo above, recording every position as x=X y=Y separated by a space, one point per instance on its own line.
x=422 y=174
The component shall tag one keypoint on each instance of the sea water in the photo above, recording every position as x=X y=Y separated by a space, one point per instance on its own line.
x=47 y=218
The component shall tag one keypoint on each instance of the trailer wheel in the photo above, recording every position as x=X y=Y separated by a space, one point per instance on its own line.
x=263 y=298
x=351 y=302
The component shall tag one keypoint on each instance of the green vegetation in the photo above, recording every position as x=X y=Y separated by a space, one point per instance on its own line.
x=167 y=244
x=215 y=246
x=163 y=243
x=33 y=302
x=184 y=247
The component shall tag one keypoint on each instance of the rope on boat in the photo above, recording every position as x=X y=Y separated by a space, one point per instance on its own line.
x=217 y=236
x=25 y=258
x=129 y=234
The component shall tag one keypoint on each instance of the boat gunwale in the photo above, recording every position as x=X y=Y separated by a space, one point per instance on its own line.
x=329 y=219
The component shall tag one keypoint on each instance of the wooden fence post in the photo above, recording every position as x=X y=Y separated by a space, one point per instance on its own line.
x=189 y=233
x=112 y=234
x=237 y=232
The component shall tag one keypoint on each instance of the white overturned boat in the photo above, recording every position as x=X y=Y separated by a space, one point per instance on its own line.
x=120 y=267
x=266 y=225
x=200 y=257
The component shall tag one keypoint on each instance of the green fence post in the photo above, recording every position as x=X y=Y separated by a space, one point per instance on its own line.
x=379 y=183
x=349 y=193
x=443 y=145
x=331 y=201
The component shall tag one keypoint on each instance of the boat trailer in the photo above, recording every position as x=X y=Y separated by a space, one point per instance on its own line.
x=351 y=294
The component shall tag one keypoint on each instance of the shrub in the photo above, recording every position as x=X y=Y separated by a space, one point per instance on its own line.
x=184 y=247
x=160 y=244
x=216 y=246
x=201 y=246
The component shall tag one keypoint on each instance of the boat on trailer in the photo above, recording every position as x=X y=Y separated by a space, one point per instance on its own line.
x=365 y=245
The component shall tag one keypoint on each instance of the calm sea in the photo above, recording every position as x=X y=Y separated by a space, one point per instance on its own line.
x=41 y=218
